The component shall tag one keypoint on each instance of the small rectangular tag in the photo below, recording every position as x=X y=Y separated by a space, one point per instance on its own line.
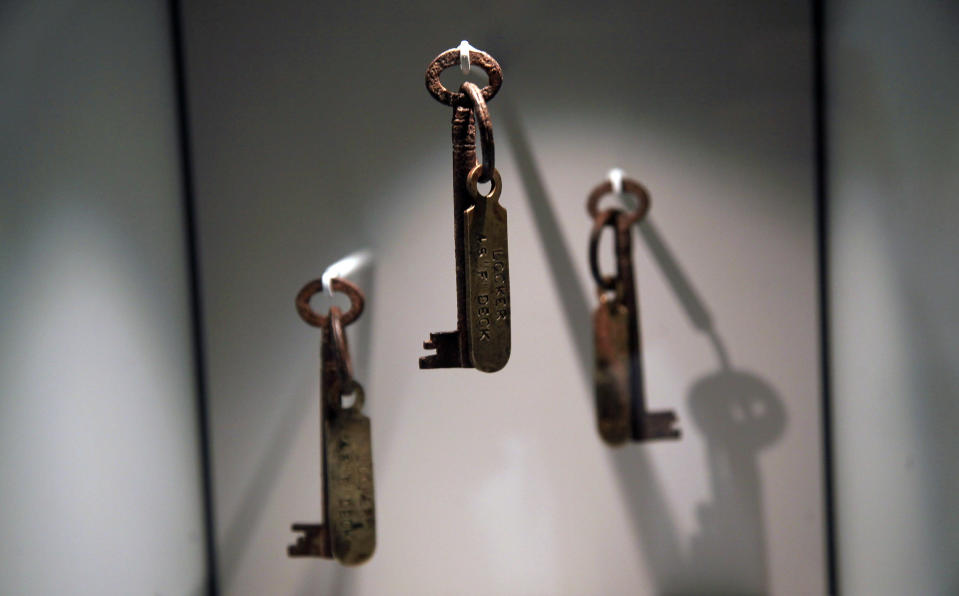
x=349 y=484
x=487 y=285
x=611 y=329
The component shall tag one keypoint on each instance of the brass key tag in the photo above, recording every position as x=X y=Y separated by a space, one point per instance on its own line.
x=349 y=482
x=612 y=377
x=487 y=277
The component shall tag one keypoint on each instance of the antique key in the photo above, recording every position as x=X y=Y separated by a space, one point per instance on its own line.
x=348 y=533
x=620 y=400
x=482 y=336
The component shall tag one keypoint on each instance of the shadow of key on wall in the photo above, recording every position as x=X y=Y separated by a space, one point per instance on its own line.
x=738 y=413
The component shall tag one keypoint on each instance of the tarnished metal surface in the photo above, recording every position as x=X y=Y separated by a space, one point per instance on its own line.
x=620 y=394
x=348 y=533
x=349 y=482
x=487 y=278
x=631 y=187
x=340 y=352
x=452 y=58
x=343 y=286
x=484 y=127
x=612 y=378
x=473 y=344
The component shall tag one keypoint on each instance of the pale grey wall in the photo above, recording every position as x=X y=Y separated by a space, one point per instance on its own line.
x=314 y=136
x=894 y=205
x=100 y=488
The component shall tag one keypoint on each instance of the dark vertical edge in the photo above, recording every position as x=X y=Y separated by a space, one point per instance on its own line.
x=196 y=302
x=820 y=122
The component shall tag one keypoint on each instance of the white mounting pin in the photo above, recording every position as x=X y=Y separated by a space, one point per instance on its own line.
x=616 y=180
x=464 y=49
x=345 y=267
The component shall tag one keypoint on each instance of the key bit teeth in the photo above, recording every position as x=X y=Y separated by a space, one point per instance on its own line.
x=315 y=541
x=447 y=346
x=659 y=425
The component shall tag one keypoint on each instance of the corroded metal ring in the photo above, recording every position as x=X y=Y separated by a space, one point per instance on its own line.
x=473 y=179
x=629 y=186
x=452 y=58
x=339 y=285
x=484 y=127
x=360 y=399
x=340 y=348
x=608 y=218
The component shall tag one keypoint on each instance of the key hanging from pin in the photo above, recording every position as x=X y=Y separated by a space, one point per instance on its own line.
x=482 y=336
x=348 y=531
x=620 y=393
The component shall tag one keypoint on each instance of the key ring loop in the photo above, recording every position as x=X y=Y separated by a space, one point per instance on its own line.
x=351 y=387
x=629 y=186
x=339 y=347
x=338 y=285
x=472 y=179
x=334 y=400
x=608 y=218
x=452 y=58
x=484 y=128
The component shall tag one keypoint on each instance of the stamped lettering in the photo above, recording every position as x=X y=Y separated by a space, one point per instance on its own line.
x=487 y=285
x=349 y=478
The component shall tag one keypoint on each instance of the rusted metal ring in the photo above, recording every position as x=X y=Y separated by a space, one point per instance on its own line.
x=452 y=58
x=472 y=179
x=629 y=186
x=339 y=285
x=484 y=128
x=606 y=218
x=341 y=351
